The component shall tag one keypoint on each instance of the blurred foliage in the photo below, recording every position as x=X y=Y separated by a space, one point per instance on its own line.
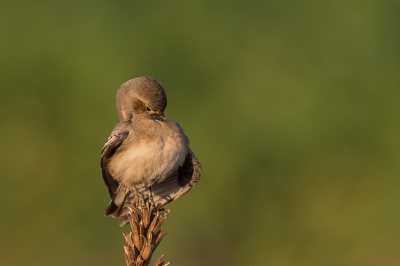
x=292 y=108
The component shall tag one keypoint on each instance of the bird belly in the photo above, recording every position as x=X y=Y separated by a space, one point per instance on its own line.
x=149 y=161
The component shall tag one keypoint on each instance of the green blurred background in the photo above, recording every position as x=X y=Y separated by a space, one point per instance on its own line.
x=292 y=107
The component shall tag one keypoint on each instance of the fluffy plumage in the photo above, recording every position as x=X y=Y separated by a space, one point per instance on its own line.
x=146 y=153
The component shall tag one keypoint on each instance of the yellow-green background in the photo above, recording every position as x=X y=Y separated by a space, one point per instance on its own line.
x=292 y=107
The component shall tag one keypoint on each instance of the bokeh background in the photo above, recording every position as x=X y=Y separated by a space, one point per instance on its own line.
x=292 y=107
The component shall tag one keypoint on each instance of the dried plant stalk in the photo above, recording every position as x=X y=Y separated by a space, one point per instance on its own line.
x=145 y=220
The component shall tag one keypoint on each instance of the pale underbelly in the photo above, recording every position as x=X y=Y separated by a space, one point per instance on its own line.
x=146 y=163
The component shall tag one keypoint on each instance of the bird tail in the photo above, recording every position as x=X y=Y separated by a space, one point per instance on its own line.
x=116 y=205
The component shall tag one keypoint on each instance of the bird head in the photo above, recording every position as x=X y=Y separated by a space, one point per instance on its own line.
x=141 y=97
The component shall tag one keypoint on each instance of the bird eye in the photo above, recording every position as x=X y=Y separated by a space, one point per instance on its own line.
x=147 y=109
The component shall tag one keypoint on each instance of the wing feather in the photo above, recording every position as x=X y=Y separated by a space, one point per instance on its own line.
x=172 y=187
x=114 y=141
x=178 y=184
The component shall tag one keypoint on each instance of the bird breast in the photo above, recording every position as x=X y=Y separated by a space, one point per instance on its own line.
x=150 y=156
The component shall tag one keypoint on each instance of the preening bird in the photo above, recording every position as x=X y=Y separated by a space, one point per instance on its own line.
x=146 y=154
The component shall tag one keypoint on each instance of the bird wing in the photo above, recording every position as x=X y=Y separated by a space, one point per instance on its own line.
x=114 y=141
x=173 y=187
x=177 y=185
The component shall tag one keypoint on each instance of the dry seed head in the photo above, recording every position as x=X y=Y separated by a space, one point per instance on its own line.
x=146 y=221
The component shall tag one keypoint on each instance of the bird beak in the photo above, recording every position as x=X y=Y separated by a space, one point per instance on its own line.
x=159 y=116
x=162 y=117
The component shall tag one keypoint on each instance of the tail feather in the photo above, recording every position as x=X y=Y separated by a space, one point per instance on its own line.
x=116 y=205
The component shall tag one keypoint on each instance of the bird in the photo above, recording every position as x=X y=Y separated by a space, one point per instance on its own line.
x=146 y=154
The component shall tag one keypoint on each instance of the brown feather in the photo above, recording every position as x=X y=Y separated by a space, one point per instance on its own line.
x=114 y=141
x=146 y=152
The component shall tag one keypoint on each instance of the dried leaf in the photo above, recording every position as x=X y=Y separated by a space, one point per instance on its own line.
x=146 y=218
x=146 y=251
